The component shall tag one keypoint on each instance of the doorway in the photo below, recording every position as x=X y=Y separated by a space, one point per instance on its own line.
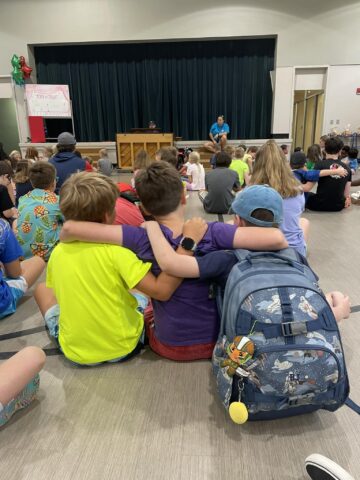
x=307 y=117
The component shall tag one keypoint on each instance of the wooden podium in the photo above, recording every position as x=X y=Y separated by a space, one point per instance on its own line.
x=128 y=144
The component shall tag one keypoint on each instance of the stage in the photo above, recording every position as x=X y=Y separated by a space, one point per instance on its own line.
x=91 y=149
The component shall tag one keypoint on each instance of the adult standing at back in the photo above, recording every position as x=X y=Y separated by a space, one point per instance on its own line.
x=65 y=161
x=333 y=193
x=218 y=134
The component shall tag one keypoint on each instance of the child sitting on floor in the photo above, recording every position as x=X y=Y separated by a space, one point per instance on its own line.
x=306 y=177
x=195 y=173
x=353 y=159
x=104 y=163
x=257 y=205
x=220 y=184
x=19 y=381
x=240 y=166
x=86 y=302
x=186 y=326
x=271 y=168
x=18 y=276
x=21 y=179
x=40 y=219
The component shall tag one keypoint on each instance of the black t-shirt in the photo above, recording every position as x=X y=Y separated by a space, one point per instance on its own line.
x=330 y=191
x=5 y=200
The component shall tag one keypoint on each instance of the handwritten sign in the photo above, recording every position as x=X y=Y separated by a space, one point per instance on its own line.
x=48 y=100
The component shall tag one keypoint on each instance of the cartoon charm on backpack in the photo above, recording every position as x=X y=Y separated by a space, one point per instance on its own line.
x=239 y=352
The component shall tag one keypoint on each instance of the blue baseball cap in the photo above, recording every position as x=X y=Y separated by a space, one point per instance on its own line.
x=255 y=197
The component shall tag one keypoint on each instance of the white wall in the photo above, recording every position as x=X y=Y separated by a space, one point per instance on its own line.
x=341 y=102
x=309 y=32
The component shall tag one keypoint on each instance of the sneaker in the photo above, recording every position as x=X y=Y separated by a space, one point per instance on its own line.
x=21 y=401
x=319 y=467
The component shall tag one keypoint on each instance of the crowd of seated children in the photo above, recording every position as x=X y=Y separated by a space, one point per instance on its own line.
x=104 y=163
x=220 y=184
x=21 y=179
x=185 y=327
x=40 y=220
x=108 y=326
x=271 y=168
x=195 y=173
x=333 y=193
x=240 y=166
x=257 y=205
x=19 y=381
x=308 y=178
x=314 y=156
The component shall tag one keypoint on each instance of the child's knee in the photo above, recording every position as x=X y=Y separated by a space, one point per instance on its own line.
x=34 y=356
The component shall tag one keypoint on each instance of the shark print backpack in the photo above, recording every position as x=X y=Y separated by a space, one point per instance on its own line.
x=279 y=351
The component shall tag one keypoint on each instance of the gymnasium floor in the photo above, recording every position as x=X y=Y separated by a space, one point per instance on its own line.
x=159 y=420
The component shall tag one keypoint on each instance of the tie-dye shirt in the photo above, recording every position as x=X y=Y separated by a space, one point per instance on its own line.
x=39 y=223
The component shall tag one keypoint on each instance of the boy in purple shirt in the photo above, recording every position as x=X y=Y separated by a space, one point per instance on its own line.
x=186 y=326
x=256 y=205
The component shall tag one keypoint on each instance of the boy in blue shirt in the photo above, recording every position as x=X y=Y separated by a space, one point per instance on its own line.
x=258 y=205
x=218 y=134
x=17 y=277
x=308 y=178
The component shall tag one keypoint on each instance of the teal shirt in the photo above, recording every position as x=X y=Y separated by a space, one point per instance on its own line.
x=39 y=223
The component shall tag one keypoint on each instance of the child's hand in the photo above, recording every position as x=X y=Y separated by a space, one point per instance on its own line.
x=195 y=229
x=348 y=202
x=342 y=172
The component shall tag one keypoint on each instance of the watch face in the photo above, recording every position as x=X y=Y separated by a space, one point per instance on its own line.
x=187 y=243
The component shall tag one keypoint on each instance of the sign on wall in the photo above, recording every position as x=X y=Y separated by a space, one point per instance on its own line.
x=48 y=100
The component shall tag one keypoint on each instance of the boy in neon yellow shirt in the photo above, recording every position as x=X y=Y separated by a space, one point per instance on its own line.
x=86 y=301
x=240 y=166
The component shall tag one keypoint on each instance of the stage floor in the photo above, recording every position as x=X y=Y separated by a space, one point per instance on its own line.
x=160 y=420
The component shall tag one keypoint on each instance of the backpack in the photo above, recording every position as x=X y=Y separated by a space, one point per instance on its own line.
x=279 y=351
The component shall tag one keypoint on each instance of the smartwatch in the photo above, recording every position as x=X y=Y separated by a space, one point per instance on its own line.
x=188 y=244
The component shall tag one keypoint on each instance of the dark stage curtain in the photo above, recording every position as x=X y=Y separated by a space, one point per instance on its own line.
x=182 y=86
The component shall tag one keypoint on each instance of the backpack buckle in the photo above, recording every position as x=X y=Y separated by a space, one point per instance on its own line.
x=293 y=328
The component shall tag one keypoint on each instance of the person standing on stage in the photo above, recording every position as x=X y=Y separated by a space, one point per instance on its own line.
x=218 y=134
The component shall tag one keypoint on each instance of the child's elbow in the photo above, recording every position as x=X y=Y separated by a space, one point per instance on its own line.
x=164 y=296
x=66 y=231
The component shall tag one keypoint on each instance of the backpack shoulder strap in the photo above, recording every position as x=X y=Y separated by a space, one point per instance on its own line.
x=354 y=406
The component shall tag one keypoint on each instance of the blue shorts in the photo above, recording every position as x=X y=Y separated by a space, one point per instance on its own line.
x=52 y=322
x=17 y=286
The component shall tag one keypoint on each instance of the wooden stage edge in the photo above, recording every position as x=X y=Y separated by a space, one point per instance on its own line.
x=91 y=149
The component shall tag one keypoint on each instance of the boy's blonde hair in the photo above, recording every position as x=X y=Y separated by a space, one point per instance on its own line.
x=88 y=196
x=271 y=168
x=194 y=157
x=103 y=153
x=239 y=152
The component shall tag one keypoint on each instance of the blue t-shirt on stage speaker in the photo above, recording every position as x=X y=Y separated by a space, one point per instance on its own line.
x=216 y=131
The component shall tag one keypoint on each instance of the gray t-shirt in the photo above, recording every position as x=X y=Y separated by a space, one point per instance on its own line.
x=220 y=183
x=105 y=166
